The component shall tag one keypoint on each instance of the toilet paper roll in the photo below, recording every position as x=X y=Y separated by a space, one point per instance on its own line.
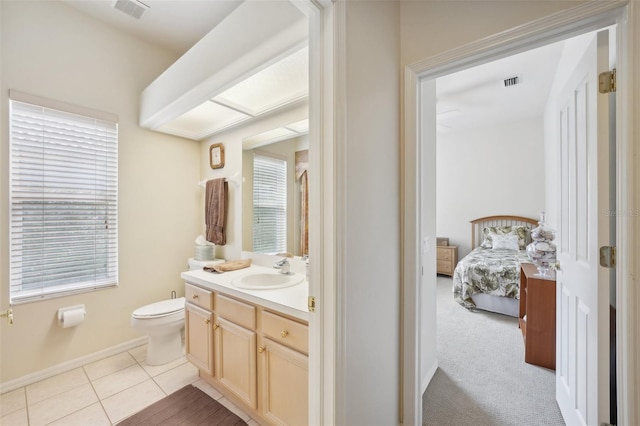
x=72 y=317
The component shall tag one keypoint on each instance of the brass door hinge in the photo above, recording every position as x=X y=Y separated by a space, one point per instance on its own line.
x=311 y=303
x=607 y=81
x=9 y=314
x=608 y=257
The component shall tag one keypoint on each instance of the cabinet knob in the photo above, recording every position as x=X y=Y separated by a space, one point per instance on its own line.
x=284 y=334
x=216 y=326
x=195 y=297
x=207 y=321
x=261 y=349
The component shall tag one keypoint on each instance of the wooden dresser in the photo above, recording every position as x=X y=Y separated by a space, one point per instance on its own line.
x=447 y=259
x=538 y=316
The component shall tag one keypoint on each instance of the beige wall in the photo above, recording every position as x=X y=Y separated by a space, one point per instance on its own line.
x=370 y=301
x=488 y=171
x=429 y=28
x=381 y=38
x=53 y=51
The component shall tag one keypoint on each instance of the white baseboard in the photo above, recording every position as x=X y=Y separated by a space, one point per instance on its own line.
x=70 y=365
x=427 y=378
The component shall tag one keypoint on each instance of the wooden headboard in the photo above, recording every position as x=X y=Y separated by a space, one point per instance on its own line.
x=477 y=225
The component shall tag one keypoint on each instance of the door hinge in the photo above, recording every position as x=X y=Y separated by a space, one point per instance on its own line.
x=9 y=314
x=311 y=303
x=607 y=81
x=608 y=257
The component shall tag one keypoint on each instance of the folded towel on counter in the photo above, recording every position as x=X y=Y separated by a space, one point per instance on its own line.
x=230 y=265
x=215 y=214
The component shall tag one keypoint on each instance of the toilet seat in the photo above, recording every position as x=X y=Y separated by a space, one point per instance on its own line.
x=159 y=309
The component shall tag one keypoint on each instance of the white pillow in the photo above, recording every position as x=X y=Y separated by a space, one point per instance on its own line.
x=505 y=242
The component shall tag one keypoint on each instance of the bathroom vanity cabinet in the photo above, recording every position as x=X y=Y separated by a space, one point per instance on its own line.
x=254 y=355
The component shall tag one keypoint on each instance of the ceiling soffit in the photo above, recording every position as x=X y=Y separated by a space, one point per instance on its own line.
x=254 y=37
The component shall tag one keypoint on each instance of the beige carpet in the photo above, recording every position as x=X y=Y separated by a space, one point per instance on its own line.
x=482 y=378
x=187 y=406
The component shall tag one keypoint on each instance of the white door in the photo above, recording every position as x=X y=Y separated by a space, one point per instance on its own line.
x=428 y=354
x=582 y=375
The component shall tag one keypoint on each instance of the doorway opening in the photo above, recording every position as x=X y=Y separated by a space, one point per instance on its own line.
x=420 y=360
x=492 y=160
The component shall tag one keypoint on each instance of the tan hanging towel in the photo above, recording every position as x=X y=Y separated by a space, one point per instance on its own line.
x=230 y=265
x=215 y=211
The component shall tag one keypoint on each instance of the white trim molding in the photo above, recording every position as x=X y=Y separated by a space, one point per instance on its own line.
x=411 y=396
x=583 y=18
x=340 y=200
x=322 y=385
x=628 y=223
x=70 y=365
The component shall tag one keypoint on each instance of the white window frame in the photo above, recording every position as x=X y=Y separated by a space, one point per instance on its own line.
x=82 y=172
x=276 y=196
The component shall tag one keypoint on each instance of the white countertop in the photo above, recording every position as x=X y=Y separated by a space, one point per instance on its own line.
x=288 y=300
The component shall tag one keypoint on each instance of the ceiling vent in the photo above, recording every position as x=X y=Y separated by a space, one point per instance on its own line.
x=133 y=8
x=512 y=81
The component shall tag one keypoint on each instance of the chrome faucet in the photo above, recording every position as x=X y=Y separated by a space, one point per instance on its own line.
x=284 y=266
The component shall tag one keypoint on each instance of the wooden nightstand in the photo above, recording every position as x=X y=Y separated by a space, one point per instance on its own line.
x=538 y=316
x=447 y=257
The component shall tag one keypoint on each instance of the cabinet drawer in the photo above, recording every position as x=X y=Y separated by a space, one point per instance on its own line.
x=198 y=296
x=444 y=254
x=236 y=311
x=444 y=266
x=286 y=331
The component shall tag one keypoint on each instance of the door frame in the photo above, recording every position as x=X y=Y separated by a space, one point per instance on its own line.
x=322 y=321
x=586 y=17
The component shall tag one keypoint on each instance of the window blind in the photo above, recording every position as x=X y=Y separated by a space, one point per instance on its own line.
x=63 y=202
x=269 y=204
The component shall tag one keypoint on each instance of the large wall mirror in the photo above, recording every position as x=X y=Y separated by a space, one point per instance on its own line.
x=275 y=196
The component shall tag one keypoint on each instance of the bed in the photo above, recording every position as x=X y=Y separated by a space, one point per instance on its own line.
x=488 y=278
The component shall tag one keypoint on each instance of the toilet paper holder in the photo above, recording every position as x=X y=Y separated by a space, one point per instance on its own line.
x=61 y=313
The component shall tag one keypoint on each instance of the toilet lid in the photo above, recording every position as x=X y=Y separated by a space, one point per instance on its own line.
x=160 y=309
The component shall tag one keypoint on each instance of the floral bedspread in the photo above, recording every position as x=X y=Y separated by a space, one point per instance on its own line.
x=495 y=272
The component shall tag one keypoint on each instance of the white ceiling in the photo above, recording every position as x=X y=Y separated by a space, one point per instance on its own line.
x=477 y=97
x=471 y=98
x=175 y=25
x=179 y=24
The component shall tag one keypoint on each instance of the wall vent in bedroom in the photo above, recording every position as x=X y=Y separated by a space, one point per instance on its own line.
x=512 y=81
x=133 y=8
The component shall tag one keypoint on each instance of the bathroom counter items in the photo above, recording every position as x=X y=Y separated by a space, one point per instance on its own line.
x=230 y=265
x=289 y=300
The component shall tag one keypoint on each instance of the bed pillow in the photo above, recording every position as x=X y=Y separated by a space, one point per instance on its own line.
x=522 y=232
x=505 y=242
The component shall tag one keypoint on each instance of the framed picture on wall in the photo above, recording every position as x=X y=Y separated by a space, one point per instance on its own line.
x=216 y=156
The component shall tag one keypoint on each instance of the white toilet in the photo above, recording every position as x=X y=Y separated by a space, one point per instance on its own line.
x=162 y=322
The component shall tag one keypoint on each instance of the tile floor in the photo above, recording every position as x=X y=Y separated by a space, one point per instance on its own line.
x=104 y=392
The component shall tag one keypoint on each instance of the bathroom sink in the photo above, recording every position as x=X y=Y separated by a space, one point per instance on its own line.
x=265 y=281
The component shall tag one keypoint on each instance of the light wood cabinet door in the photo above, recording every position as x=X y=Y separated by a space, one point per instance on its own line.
x=284 y=384
x=199 y=337
x=235 y=360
